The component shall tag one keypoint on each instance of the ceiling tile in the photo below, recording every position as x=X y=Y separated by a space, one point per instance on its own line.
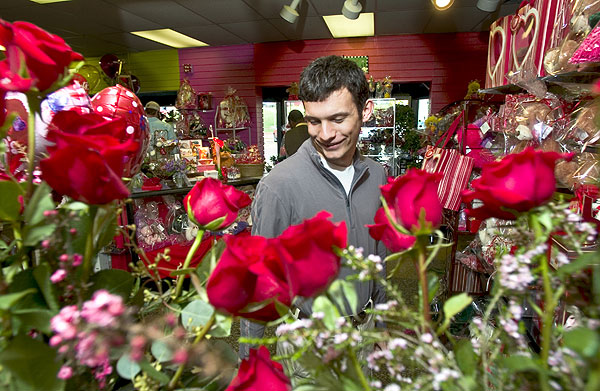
x=222 y=11
x=257 y=31
x=305 y=28
x=92 y=46
x=270 y=9
x=213 y=35
x=395 y=5
x=401 y=22
x=335 y=7
x=455 y=19
x=167 y=13
x=13 y=3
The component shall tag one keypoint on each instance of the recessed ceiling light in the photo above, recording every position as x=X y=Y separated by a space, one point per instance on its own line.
x=170 y=38
x=442 y=4
x=48 y=1
x=340 y=26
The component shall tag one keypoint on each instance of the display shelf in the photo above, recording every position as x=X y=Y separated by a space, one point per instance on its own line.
x=186 y=189
x=233 y=130
x=557 y=84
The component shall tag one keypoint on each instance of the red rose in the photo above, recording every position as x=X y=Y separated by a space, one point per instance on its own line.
x=251 y=270
x=87 y=160
x=384 y=231
x=210 y=200
x=518 y=182
x=411 y=193
x=259 y=372
x=310 y=246
x=46 y=55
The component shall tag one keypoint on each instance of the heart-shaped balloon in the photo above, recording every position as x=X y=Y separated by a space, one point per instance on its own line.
x=119 y=102
x=91 y=74
x=110 y=64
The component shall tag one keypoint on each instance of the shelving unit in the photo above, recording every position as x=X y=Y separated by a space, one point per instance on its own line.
x=377 y=124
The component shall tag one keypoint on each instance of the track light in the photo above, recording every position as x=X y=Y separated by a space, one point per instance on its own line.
x=289 y=13
x=488 y=5
x=442 y=5
x=351 y=9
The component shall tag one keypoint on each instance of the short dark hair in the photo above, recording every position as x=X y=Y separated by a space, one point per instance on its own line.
x=295 y=116
x=332 y=73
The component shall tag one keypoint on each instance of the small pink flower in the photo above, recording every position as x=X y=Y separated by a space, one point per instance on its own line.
x=65 y=372
x=64 y=258
x=77 y=259
x=171 y=319
x=65 y=322
x=48 y=213
x=58 y=276
x=46 y=243
x=103 y=308
x=55 y=340
x=180 y=356
x=72 y=231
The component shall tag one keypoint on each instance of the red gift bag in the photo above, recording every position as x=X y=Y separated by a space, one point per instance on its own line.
x=455 y=167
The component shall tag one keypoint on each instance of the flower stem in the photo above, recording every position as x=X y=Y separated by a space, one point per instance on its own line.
x=422 y=273
x=34 y=105
x=187 y=261
x=549 y=306
x=361 y=376
x=198 y=338
x=86 y=266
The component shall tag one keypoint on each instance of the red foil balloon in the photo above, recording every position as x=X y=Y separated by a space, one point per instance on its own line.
x=110 y=64
x=119 y=102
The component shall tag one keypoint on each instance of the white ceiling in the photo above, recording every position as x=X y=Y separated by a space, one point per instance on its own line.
x=98 y=27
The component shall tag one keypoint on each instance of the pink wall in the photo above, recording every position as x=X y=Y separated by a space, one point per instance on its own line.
x=448 y=61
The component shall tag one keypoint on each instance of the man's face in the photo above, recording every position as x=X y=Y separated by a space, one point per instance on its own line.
x=334 y=125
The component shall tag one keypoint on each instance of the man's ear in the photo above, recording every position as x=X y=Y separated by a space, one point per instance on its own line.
x=367 y=111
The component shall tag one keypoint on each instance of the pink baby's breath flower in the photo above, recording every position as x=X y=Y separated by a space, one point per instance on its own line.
x=55 y=340
x=58 y=276
x=180 y=356
x=72 y=231
x=46 y=243
x=64 y=258
x=103 y=308
x=77 y=259
x=64 y=324
x=65 y=372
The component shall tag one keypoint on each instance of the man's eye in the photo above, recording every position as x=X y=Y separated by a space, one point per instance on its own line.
x=338 y=120
x=314 y=122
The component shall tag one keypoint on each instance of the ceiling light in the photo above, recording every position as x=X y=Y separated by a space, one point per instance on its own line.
x=488 y=5
x=289 y=13
x=340 y=26
x=351 y=9
x=170 y=38
x=48 y=1
x=2 y=48
x=442 y=4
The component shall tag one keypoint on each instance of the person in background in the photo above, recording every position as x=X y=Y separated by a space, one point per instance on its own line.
x=158 y=128
x=327 y=173
x=297 y=134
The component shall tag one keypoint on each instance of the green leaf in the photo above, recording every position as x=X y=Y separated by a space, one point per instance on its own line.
x=105 y=226
x=517 y=363
x=117 y=282
x=33 y=363
x=222 y=327
x=582 y=262
x=583 y=340
x=9 y=200
x=341 y=292
x=453 y=306
x=3 y=245
x=324 y=305
x=23 y=281
x=153 y=373
x=33 y=234
x=196 y=314
x=209 y=261
x=42 y=276
x=8 y=300
x=34 y=319
x=465 y=357
x=76 y=206
x=456 y=304
x=161 y=351
x=40 y=202
x=433 y=285
x=126 y=368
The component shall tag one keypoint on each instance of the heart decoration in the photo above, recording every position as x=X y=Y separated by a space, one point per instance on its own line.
x=524 y=34
x=497 y=41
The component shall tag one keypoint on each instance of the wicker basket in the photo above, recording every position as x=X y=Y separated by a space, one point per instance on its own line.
x=251 y=170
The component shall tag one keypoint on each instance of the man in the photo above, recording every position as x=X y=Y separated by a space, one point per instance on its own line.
x=326 y=173
x=297 y=134
x=158 y=129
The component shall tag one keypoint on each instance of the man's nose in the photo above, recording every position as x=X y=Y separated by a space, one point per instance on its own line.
x=327 y=131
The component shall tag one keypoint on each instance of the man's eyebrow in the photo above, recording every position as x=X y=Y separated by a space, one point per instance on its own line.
x=334 y=115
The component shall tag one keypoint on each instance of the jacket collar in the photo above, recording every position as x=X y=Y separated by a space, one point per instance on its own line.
x=358 y=161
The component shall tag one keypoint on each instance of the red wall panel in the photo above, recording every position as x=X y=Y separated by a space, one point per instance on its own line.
x=448 y=61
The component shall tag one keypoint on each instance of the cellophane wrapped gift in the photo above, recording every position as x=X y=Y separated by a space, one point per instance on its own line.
x=186 y=96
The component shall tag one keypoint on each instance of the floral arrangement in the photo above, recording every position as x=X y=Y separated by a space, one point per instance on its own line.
x=67 y=328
